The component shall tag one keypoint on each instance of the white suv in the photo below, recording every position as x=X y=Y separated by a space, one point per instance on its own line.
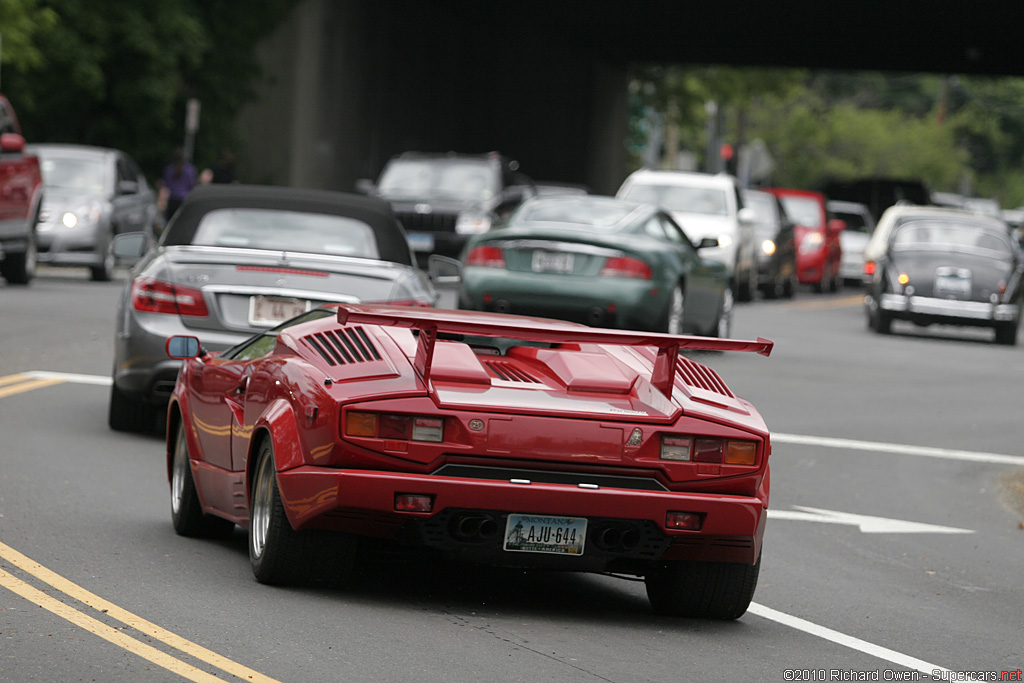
x=704 y=205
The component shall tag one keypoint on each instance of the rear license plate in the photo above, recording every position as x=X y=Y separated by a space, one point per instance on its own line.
x=266 y=311
x=552 y=262
x=420 y=241
x=544 y=534
x=953 y=285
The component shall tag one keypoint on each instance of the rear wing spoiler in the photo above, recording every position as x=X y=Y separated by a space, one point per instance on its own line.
x=431 y=321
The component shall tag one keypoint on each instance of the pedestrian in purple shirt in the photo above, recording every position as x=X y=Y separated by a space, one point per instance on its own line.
x=178 y=178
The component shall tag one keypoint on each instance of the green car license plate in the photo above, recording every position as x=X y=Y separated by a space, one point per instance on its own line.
x=545 y=534
x=552 y=262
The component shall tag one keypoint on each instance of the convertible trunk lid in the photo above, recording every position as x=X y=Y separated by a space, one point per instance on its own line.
x=248 y=290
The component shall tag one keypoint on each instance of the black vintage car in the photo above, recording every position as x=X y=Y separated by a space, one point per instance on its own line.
x=955 y=269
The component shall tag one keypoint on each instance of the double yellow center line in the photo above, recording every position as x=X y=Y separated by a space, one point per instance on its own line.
x=16 y=384
x=117 y=634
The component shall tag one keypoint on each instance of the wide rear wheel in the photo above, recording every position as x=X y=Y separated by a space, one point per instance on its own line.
x=279 y=554
x=709 y=590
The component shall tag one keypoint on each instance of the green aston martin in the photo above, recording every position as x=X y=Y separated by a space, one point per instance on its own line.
x=600 y=261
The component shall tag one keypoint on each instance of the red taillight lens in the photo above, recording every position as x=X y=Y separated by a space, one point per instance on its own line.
x=156 y=296
x=869 y=267
x=487 y=257
x=413 y=502
x=624 y=266
x=690 y=521
x=708 y=450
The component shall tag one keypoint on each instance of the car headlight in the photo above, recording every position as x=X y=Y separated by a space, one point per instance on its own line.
x=768 y=247
x=812 y=242
x=472 y=223
x=725 y=240
x=85 y=216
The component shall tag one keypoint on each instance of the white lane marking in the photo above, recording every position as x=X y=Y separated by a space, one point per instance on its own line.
x=866 y=524
x=880 y=447
x=70 y=377
x=813 y=629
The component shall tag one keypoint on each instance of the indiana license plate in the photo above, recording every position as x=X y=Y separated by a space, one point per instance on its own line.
x=267 y=311
x=552 y=262
x=545 y=534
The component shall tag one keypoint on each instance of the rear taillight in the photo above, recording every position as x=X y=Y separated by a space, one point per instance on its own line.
x=486 y=257
x=394 y=427
x=624 y=266
x=156 y=296
x=869 y=268
x=708 y=450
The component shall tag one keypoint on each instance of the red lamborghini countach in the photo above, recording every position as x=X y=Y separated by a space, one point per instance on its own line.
x=495 y=438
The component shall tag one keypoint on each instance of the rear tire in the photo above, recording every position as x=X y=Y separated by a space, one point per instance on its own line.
x=723 y=326
x=104 y=271
x=672 y=322
x=1006 y=334
x=280 y=555
x=126 y=415
x=709 y=590
x=186 y=511
x=19 y=269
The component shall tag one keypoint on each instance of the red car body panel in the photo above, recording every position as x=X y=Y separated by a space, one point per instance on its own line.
x=813 y=264
x=592 y=408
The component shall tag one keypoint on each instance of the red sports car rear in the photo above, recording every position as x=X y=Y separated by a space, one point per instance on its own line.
x=494 y=438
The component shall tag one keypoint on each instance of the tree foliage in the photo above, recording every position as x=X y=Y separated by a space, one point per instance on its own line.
x=956 y=133
x=118 y=73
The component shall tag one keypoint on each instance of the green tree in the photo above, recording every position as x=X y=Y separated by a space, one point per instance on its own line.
x=118 y=73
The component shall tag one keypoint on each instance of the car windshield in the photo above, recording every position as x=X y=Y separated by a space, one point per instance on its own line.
x=455 y=179
x=948 y=236
x=282 y=230
x=681 y=198
x=804 y=211
x=599 y=215
x=74 y=173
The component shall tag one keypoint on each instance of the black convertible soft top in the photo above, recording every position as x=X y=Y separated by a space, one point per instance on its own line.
x=377 y=213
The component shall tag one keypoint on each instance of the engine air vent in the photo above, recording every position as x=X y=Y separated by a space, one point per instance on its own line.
x=701 y=377
x=508 y=372
x=342 y=346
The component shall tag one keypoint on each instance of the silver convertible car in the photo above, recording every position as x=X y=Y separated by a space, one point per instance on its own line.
x=238 y=259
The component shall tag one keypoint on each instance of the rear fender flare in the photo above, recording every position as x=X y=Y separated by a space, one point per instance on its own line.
x=279 y=424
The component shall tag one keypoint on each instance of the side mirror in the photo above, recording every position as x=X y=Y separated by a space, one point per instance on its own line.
x=444 y=270
x=707 y=242
x=836 y=225
x=747 y=216
x=127 y=187
x=182 y=346
x=366 y=186
x=130 y=246
x=12 y=143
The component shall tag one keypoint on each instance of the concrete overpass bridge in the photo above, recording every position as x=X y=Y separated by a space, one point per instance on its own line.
x=353 y=82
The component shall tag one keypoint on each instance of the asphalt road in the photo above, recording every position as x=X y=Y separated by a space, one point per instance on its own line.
x=893 y=548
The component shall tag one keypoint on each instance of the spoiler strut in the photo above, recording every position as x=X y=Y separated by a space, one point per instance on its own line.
x=431 y=321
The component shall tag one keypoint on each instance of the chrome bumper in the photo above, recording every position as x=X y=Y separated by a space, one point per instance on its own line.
x=973 y=310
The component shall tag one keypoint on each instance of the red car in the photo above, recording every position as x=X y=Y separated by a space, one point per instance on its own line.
x=818 y=252
x=495 y=438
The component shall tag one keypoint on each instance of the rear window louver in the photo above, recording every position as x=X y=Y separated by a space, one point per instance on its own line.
x=508 y=372
x=701 y=377
x=343 y=346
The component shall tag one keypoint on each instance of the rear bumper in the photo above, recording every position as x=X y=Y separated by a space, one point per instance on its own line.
x=363 y=502
x=920 y=307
